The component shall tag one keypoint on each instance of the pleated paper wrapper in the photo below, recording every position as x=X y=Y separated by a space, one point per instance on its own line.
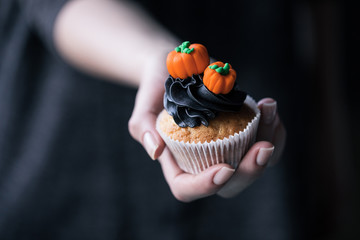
x=196 y=157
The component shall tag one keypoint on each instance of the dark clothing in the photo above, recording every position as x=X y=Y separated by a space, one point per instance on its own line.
x=70 y=170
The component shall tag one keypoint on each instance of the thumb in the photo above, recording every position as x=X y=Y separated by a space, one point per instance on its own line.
x=142 y=128
x=148 y=105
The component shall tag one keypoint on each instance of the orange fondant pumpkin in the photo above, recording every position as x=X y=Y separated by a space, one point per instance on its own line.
x=187 y=59
x=219 y=78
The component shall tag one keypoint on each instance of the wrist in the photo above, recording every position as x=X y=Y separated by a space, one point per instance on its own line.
x=154 y=68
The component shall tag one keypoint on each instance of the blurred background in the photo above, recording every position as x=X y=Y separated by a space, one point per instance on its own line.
x=81 y=175
x=303 y=54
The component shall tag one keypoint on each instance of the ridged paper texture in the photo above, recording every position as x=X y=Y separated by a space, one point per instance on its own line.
x=196 y=157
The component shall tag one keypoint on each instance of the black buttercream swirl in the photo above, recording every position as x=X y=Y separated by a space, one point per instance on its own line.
x=190 y=103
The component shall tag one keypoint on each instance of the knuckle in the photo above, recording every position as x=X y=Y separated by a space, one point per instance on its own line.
x=180 y=196
x=133 y=126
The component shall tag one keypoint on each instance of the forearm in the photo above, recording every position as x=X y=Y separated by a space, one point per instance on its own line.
x=113 y=39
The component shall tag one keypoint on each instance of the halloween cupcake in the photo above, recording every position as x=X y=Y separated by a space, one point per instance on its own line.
x=207 y=119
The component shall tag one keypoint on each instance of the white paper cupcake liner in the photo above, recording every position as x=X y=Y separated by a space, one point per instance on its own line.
x=196 y=157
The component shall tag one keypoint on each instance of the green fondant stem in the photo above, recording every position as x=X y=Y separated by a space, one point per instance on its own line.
x=222 y=70
x=186 y=44
x=184 y=48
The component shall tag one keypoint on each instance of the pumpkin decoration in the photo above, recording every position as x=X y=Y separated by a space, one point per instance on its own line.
x=219 y=78
x=187 y=59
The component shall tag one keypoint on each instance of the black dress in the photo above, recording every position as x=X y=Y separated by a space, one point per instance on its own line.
x=68 y=166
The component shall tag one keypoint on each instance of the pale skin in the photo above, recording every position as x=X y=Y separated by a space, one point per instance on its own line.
x=120 y=42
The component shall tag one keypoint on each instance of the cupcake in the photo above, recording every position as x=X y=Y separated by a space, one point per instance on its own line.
x=206 y=119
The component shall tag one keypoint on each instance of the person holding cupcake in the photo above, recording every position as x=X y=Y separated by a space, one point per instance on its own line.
x=70 y=72
x=205 y=137
x=148 y=51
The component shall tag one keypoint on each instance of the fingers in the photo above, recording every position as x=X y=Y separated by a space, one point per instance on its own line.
x=143 y=120
x=251 y=167
x=269 y=119
x=188 y=187
x=271 y=128
x=279 y=141
x=272 y=136
x=148 y=104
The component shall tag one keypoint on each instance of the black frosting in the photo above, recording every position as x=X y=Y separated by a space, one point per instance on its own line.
x=190 y=103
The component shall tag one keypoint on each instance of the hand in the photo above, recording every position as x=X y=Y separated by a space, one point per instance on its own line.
x=149 y=102
x=266 y=152
x=188 y=187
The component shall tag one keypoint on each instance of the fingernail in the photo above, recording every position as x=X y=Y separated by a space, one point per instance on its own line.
x=269 y=112
x=223 y=175
x=263 y=155
x=150 y=145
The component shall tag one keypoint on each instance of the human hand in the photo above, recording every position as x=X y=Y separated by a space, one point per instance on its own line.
x=222 y=179
x=271 y=139
x=188 y=187
x=149 y=102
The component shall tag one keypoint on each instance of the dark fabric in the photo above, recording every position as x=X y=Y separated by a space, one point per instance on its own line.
x=70 y=170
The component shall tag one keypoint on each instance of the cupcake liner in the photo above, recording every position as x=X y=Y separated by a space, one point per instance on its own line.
x=196 y=157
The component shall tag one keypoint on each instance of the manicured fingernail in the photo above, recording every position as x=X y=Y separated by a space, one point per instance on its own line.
x=150 y=145
x=269 y=112
x=263 y=155
x=223 y=175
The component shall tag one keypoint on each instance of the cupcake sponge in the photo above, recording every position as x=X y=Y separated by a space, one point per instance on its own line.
x=224 y=125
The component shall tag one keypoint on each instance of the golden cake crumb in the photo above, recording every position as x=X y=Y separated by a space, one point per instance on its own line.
x=223 y=125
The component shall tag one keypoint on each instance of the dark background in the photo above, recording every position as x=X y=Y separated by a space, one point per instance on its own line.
x=303 y=54
x=70 y=170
